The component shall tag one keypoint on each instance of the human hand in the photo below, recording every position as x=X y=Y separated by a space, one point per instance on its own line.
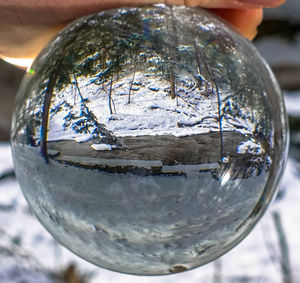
x=27 y=26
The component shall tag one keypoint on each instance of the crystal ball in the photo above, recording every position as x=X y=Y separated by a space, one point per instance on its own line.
x=149 y=140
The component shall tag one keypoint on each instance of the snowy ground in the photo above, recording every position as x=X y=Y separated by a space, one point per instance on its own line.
x=292 y=102
x=151 y=111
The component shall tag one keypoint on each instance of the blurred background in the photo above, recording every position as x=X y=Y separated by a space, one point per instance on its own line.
x=271 y=253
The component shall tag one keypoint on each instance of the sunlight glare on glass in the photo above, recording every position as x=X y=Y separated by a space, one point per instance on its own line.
x=20 y=62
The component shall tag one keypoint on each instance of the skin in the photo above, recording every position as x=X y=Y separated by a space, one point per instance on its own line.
x=26 y=26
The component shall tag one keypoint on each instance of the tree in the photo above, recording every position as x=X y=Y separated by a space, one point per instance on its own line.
x=47 y=104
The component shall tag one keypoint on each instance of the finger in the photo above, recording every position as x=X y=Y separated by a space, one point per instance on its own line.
x=25 y=30
x=49 y=12
x=244 y=21
x=234 y=4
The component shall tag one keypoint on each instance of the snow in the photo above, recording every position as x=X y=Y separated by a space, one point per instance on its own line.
x=101 y=146
x=292 y=102
x=250 y=146
x=5 y=158
x=151 y=110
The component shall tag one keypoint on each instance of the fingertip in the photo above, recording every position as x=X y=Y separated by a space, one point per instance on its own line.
x=245 y=21
x=251 y=31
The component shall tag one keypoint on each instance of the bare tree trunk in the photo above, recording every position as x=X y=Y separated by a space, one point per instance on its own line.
x=109 y=95
x=46 y=109
x=132 y=81
x=172 y=53
x=101 y=129
x=89 y=112
x=173 y=86
x=79 y=92
x=219 y=102
x=103 y=63
x=200 y=58
x=217 y=271
x=220 y=120
x=48 y=97
x=200 y=71
x=285 y=258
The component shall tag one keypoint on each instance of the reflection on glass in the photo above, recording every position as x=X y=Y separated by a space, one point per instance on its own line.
x=149 y=140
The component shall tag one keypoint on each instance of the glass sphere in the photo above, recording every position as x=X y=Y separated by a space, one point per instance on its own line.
x=149 y=140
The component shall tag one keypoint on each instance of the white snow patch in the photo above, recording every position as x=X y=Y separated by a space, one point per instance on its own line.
x=250 y=146
x=6 y=162
x=292 y=102
x=101 y=146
